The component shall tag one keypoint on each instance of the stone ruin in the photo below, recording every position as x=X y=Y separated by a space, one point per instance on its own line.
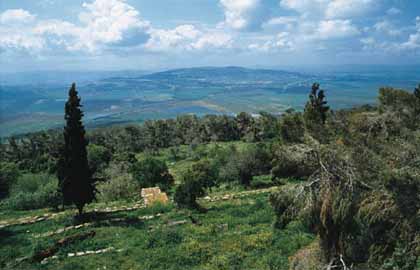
x=153 y=195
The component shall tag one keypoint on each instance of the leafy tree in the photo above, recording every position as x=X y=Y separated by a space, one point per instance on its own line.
x=269 y=126
x=292 y=128
x=75 y=177
x=244 y=121
x=243 y=165
x=98 y=157
x=316 y=109
x=151 y=172
x=204 y=172
x=189 y=190
x=119 y=184
x=33 y=191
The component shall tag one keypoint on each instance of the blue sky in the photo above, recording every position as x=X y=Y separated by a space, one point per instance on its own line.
x=159 y=34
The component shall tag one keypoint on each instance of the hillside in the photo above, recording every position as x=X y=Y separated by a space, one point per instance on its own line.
x=233 y=234
x=307 y=190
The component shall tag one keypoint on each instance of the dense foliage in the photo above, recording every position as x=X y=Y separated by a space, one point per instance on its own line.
x=152 y=172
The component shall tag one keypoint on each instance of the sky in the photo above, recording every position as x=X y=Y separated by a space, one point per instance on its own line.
x=162 y=34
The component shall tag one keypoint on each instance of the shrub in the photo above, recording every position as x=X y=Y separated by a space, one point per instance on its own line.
x=151 y=172
x=242 y=166
x=404 y=186
x=292 y=128
x=402 y=259
x=295 y=161
x=8 y=175
x=118 y=184
x=98 y=156
x=33 y=191
x=395 y=99
x=262 y=181
x=281 y=202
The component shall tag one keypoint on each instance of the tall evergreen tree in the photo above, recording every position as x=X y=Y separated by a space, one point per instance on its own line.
x=76 y=181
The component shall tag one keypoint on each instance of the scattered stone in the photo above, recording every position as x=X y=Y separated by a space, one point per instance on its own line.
x=175 y=223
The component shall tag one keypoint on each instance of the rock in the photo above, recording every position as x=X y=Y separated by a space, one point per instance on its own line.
x=175 y=223
x=153 y=195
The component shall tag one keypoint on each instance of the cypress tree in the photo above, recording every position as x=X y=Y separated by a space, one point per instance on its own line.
x=76 y=181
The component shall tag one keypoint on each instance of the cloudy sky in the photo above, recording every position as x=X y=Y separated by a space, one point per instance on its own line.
x=156 y=34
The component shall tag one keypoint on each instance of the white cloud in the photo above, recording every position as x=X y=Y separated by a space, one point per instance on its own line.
x=284 y=20
x=180 y=37
x=348 y=8
x=16 y=33
x=304 y=6
x=413 y=41
x=387 y=28
x=104 y=25
x=15 y=16
x=331 y=9
x=243 y=14
x=105 y=22
x=393 y=11
x=282 y=41
x=213 y=40
x=186 y=37
x=330 y=29
x=20 y=40
x=411 y=44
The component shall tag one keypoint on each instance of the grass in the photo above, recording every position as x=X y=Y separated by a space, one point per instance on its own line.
x=234 y=234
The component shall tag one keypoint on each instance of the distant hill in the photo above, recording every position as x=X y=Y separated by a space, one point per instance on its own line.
x=222 y=74
x=35 y=100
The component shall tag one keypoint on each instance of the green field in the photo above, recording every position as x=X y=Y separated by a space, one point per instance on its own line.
x=233 y=234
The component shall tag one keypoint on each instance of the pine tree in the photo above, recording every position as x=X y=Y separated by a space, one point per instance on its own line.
x=417 y=95
x=316 y=109
x=417 y=92
x=76 y=181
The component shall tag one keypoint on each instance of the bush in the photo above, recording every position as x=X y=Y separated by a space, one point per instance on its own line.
x=404 y=186
x=98 y=156
x=34 y=191
x=151 y=172
x=118 y=184
x=296 y=161
x=204 y=172
x=8 y=175
x=281 y=202
x=242 y=166
x=292 y=128
x=187 y=193
x=262 y=181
